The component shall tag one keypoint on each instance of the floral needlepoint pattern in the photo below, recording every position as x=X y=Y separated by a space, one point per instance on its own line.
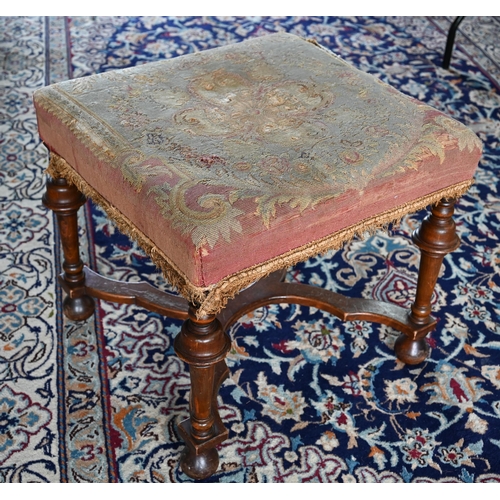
x=19 y=419
x=227 y=141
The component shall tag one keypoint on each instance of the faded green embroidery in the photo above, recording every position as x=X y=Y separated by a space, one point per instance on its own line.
x=249 y=128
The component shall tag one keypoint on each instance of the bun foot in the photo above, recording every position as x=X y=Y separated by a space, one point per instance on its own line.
x=78 y=308
x=199 y=466
x=410 y=351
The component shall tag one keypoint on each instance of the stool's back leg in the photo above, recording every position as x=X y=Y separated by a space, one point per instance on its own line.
x=435 y=238
x=203 y=345
x=65 y=200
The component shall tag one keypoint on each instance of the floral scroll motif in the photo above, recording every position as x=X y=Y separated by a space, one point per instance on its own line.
x=227 y=138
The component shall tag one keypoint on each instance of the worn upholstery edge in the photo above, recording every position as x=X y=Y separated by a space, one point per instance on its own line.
x=212 y=299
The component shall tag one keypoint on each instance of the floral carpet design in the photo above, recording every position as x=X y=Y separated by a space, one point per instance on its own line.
x=309 y=398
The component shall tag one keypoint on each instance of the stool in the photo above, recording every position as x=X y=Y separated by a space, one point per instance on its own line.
x=229 y=166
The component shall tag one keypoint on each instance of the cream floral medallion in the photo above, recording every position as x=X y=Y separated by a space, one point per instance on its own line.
x=242 y=130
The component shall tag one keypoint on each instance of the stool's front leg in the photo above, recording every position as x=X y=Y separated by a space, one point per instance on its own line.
x=435 y=238
x=65 y=200
x=203 y=345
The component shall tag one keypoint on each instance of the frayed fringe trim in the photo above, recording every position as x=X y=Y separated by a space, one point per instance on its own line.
x=211 y=300
x=58 y=167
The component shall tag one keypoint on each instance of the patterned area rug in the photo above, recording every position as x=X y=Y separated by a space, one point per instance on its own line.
x=310 y=399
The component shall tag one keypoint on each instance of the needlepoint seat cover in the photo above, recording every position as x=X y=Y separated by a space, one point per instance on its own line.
x=237 y=161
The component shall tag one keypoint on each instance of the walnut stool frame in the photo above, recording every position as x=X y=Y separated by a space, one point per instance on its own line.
x=203 y=343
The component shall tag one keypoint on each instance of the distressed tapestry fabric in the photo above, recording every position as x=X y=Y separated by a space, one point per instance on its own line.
x=230 y=158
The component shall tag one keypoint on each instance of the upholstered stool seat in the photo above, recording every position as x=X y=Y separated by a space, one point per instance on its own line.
x=233 y=163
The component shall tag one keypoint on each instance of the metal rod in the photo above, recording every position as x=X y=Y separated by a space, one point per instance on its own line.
x=451 y=40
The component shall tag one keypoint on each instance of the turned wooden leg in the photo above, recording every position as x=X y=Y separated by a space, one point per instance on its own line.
x=203 y=345
x=65 y=200
x=435 y=238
